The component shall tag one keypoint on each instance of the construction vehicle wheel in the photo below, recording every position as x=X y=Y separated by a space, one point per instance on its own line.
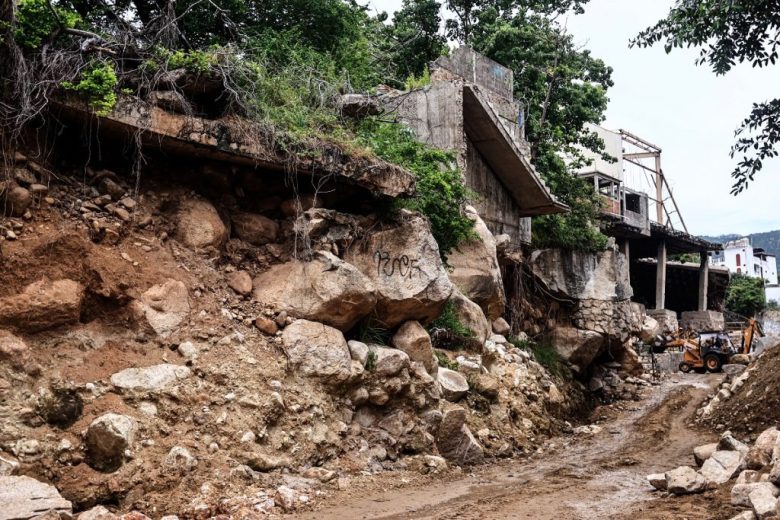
x=713 y=362
x=684 y=367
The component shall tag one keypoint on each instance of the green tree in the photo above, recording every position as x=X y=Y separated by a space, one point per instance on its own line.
x=728 y=33
x=416 y=37
x=745 y=295
x=563 y=87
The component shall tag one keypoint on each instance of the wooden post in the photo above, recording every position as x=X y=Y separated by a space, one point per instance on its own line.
x=704 y=280
x=660 y=277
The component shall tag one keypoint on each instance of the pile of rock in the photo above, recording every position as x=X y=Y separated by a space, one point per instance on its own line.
x=610 y=386
x=736 y=377
x=756 y=470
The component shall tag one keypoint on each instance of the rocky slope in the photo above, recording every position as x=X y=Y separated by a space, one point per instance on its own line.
x=170 y=351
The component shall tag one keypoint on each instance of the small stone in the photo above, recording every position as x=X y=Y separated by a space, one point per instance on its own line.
x=128 y=202
x=286 y=498
x=704 y=452
x=108 y=437
x=321 y=474
x=358 y=351
x=266 y=325
x=453 y=385
x=38 y=189
x=188 y=350
x=658 y=481
x=180 y=458
x=684 y=480
x=121 y=213
x=240 y=281
x=500 y=326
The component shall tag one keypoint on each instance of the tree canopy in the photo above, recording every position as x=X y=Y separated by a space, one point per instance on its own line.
x=746 y=295
x=284 y=61
x=563 y=87
x=729 y=33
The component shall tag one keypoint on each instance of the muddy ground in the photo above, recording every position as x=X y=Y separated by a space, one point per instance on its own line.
x=601 y=476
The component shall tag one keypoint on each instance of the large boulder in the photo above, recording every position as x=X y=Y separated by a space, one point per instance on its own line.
x=199 y=225
x=475 y=269
x=576 y=346
x=582 y=275
x=108 y=437
x=164 y=307
x=24 y=498
x=453 y=384
x=721 y=467
x=317 y=350
x=413 y=339
x=684 y=480
x=325 y=289
x=650 y=329
x=42 y=305
x=404 y=264
x=471 y=316
x=149 y=379
x=255 y=229
x=454 y=439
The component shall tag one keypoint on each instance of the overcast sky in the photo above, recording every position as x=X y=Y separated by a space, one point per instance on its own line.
x=686 y=110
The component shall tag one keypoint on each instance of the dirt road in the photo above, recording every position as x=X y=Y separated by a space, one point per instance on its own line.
x=602 y=476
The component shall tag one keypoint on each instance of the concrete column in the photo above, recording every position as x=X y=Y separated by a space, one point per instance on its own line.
x=660 y=277
x=704 y=280
x=625 y=248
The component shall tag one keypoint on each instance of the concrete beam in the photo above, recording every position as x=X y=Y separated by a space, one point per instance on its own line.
x=660 y=277
x=704 y=280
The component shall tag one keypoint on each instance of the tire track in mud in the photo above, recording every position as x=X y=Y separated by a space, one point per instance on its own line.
x=598 y=477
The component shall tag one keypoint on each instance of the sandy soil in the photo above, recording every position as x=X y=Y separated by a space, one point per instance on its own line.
x=602 y=476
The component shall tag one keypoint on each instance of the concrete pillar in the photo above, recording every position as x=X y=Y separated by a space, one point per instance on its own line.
x=704 y=280
x=660 y=277
x=625 y=248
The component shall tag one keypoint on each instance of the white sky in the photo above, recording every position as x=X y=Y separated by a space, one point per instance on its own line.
x=686 y=110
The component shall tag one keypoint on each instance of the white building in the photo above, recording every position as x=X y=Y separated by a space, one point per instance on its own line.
x=742 y=258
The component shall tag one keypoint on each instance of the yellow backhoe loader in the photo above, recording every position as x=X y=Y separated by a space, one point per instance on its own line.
x=711 y=350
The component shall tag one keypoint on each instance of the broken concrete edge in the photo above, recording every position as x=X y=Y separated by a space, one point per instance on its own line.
x=237 y=140
x=504 y=157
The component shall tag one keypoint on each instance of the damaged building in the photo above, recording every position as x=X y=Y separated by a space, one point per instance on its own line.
x=670 y=271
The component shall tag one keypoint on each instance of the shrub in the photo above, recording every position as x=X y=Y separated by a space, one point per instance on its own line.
x=448 y=320
x=548 y=357
x=413 y=82
x=745 y=295
x=444 y=361
x=441 y=192
x=98 y=81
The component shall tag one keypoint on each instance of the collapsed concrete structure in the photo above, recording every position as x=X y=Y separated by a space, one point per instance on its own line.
x=649 y=230
x=470 y=109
